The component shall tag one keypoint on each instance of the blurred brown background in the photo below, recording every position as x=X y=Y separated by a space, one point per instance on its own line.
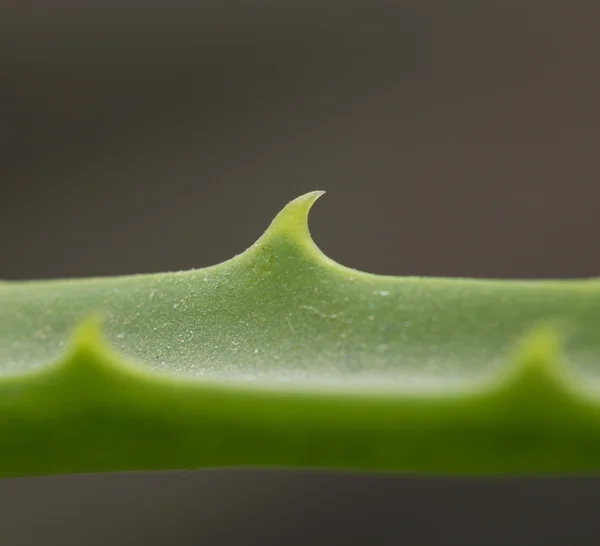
x=453 y=140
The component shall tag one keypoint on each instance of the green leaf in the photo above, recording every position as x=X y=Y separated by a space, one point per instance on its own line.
x=282 y=357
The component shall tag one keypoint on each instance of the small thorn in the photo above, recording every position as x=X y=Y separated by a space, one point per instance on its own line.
x=293 y=220
x=87 y=340
x=536 y=364
x=88 y=331
x=540 y=348
x=87 y=352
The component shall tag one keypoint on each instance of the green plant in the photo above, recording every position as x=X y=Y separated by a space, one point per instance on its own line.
x=282 y=357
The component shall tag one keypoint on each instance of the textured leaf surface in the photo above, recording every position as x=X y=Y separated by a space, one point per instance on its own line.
x=282 y=357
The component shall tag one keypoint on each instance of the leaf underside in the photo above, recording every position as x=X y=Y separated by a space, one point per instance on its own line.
x=282 y=357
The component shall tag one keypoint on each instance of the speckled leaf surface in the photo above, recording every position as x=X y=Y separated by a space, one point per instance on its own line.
x=282 y=357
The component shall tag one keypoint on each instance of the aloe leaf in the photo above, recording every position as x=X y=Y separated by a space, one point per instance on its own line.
x=283 y=357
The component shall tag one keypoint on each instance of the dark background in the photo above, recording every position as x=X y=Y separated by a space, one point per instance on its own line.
x=454 y=139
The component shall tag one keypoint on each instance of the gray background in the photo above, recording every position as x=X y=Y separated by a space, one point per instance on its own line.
x=454 y=140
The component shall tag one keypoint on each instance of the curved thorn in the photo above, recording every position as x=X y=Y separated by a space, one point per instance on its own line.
x=292 y=221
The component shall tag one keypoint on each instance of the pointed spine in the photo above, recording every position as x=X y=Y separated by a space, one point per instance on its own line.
x=536 y=383
x=292 y=222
